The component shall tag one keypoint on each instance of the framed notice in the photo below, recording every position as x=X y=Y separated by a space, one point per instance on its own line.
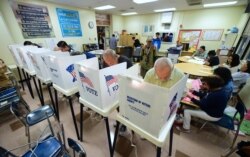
x=147 y=30
x=212 y=34
x=191 y=37
x=69 y=22
x=33 y=20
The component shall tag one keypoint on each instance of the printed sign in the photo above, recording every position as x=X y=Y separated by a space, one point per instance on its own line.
x=33 y=20
x=69 y=22
x=71 y=70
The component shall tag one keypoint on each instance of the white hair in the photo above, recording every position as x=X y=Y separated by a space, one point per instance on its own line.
x=163 y=62
x=109 y=52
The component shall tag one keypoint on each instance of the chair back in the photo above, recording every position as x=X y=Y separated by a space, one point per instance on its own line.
x=76 y=147
x=20 y=110
x=137 y=51
x=240 y=107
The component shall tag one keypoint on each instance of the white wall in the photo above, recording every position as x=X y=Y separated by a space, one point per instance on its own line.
x=117 y=24
x=89 y=35
x=216 y=18
x=5 y=39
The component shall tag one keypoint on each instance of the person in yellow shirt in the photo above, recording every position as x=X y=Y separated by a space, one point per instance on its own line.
x=163 y=73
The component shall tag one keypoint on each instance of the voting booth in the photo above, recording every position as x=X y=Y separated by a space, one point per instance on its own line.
x=146 y=105
x=62 y=70
x=15 y=54
x=38 y=61
x=99 y=86
x=23 y=54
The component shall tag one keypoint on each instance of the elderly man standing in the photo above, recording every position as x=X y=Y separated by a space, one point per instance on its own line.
x=163 y=73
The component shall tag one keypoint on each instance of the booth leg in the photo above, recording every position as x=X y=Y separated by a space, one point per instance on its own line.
x=27 y=79
x=56 y=105
x=51 y=96
x=73 y=116
x=115 y=138
x=21 y=78
x=108 y=133
x=37 y=91
x=170 y=141
x=158 y=152
x=81 y=122
x=41 y=91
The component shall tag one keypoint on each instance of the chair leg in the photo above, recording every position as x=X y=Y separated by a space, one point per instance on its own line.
x=203 y=125
x=28 y=131
x=231 y=151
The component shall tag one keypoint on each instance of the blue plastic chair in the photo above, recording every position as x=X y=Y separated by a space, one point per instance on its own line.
x=29 y=118
x=229 y=122
x=76 y=148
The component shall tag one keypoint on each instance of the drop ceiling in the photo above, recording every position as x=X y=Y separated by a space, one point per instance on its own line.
x=123 y=6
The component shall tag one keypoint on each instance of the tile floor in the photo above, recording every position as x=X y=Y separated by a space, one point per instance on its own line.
x=210 y=142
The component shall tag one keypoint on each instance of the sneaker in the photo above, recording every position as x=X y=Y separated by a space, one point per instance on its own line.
x=178 y=120
x=181 y=129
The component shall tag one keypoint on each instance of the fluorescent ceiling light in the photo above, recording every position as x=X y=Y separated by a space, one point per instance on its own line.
x=167 y=9
x=143 y=1
x=219 y=4
x=131 y=13
x=105 y=7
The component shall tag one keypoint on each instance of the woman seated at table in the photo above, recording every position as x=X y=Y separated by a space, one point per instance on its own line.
x=212 y=59
x=240 y=78
x=226 y=75
x=233 y=62
x=211 y=103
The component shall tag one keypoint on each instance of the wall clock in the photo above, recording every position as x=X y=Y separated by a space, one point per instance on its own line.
x=91 y=24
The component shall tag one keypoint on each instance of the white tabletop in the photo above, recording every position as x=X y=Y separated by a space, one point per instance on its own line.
x=158 y=141
x=31 y=73
x=66 y=92
x=97 y=52
x=46 y=81
x=104 y=112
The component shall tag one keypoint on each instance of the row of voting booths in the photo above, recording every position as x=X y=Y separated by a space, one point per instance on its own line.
x=147 y=109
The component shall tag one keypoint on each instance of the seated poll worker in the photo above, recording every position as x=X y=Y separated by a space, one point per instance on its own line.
x=212 y=59
x=226 y=75
x=212 y=104
x=64 y=47
x=111 y=58
x=233 y=62
x=163 y=73
x=240 y=78
x=201 y=53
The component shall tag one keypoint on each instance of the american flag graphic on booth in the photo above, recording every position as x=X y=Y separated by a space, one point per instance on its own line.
x=85 y=79
x=110 y=79
x=70 y=69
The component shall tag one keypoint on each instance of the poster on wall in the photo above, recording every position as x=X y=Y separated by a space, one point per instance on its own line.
x=69 y=22
x=190 y=37
x=148 y=30
x=33 y=20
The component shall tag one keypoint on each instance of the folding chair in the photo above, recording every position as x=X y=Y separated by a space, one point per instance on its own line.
x=76 y=148
x=29 y=118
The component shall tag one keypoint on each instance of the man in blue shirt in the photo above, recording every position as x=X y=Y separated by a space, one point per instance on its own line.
x=157 y=41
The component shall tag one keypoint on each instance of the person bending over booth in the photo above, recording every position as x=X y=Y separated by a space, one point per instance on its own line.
x=64 y=47
x=111 y=58
x=163 y=73
x=212 y=104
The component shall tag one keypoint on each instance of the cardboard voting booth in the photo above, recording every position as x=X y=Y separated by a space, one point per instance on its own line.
x=23 y=54
x=15 y=54
x=148 y=106
x=99 y=87
x=38 y=61
x=62 y=70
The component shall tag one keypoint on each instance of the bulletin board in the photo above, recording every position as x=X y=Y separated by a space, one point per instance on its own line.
x=212 y=34
x=190 y=36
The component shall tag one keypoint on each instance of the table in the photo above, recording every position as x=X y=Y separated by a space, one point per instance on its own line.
x=195 y=69
x=159 y=142
x=68 y=93
x=104 y=112
x=189 y=59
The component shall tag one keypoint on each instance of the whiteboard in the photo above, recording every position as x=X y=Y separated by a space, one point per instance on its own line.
x=212 y=34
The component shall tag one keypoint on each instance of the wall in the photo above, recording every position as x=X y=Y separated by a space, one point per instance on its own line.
x=216 y=18
x=117 y=23
x=5 y=39
x=89 y=35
